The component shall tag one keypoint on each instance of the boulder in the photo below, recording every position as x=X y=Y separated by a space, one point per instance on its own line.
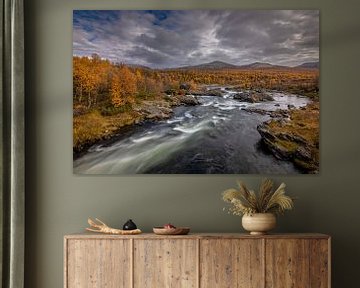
x=253 y=97
x=214 y=92
x=256 y=110
x=270 y=141
x=290 y=106
x=186 y=100
x=243 y=97
x=279 y=113
x=291 y=138
x=303 y=153
x=189 y=100
x=153 y=110
x=265 y=132
x=185 y=86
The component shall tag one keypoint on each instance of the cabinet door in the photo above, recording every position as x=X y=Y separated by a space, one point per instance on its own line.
x=288 y=263
x=231 y=263
x=98 y=263
x=165 y=263
x=320 y=263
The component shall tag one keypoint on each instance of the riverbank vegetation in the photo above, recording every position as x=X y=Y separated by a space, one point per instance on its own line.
x=296 y=139
x=108 y=96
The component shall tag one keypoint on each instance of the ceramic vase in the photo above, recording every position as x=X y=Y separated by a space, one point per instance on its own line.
x=259 y=223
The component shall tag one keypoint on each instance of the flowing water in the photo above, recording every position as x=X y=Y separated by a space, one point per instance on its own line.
x=215 y=137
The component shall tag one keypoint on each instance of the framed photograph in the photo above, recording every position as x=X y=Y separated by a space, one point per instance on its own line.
x=196 y=92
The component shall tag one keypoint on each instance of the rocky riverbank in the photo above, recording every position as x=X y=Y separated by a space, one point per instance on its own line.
x=92 y=127
x=294 y=136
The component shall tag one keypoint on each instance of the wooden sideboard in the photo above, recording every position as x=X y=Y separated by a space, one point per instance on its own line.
x=197 y=260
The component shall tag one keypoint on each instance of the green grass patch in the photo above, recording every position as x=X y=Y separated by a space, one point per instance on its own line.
x=93 y=126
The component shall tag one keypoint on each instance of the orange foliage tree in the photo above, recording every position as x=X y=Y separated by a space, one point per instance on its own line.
x=89 y=78
x=123 y=87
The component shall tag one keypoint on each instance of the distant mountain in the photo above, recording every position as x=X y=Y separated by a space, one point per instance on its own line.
x=212 y=65
x=262 y=65
x=309 y=65
x=135 y=66
x=224 y=65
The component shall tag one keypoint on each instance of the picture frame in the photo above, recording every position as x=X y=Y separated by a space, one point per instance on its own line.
x=196 y=92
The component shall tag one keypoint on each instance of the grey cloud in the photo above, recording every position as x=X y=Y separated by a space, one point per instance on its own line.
x=147 y=57
x=198 y=36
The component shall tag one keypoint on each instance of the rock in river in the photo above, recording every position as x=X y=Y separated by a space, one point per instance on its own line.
x=253 y=97
x=214 y=92
x=155 y=110
x=186 y=100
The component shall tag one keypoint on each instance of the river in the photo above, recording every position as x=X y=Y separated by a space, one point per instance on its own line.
x=215 y=137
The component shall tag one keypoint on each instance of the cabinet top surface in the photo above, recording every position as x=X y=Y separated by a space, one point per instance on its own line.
x=86 y=235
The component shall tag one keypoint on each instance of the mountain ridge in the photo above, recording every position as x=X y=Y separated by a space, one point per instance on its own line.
x=214 y=65
x=211 y=65
x=311 y=65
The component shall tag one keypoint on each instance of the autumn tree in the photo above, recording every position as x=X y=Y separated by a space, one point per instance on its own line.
x=123 y=87
x=78 y=79
x=89 y=77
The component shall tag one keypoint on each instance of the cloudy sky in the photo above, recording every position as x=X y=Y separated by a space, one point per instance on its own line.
x=163 y=39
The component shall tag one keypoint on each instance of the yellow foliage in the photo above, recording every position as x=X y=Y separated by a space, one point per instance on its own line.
x=92 y=126
x=87 y=128
x=123 y=87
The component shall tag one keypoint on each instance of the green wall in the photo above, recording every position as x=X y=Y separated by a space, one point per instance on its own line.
x=59 y=202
